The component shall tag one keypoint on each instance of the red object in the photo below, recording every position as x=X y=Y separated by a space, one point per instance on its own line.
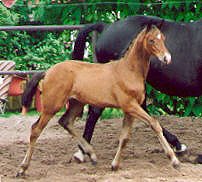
x=8 y=3
x=15 y=86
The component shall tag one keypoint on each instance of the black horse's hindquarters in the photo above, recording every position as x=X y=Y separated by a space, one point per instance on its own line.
x=183 y=77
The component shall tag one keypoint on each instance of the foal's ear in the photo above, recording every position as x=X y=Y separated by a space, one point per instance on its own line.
x=149 y=26
x=161 y=24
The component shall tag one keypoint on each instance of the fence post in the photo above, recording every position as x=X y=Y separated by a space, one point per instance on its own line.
x=94 y=40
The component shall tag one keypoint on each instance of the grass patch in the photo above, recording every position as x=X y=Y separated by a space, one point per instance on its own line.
x=108 y=113
x=9 y=114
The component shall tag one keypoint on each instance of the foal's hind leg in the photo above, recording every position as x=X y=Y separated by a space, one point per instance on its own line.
x=67 y=122
x=136 y=111
x=36 y=130
x=93 y=114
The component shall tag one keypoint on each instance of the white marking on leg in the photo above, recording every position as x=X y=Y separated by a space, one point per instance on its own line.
x=183 y=148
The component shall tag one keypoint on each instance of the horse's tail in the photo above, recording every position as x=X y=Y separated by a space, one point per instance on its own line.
x=79 y=46
x=30 y=89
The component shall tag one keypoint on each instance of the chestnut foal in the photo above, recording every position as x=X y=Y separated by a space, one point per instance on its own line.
x=82 y=83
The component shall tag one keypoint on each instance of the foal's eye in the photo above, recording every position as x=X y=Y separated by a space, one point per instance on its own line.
x=151 y=41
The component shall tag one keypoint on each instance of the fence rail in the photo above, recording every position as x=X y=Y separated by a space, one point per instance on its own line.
x=44 y=28
x=19 y=72
x=41 y=27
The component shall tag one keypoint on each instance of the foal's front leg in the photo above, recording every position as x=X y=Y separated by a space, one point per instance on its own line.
x=124 y=137
x=171 y=138
x=136 y=111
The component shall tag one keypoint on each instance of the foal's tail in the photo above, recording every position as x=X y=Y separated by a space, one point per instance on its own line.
x=78 y=51
x=30 y=89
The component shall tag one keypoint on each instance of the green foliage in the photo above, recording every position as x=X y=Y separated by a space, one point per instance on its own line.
x=51 y=50
x=25 y=49
x=7 y=18
x=46 y=48
x=161 y=104
x=110 y=113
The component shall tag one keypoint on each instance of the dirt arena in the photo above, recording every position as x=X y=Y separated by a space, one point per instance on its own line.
x=143 y=159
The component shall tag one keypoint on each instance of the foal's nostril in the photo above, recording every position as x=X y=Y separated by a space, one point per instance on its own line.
x=165 y=60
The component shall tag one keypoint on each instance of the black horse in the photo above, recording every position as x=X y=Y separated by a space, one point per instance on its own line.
x=183 y=77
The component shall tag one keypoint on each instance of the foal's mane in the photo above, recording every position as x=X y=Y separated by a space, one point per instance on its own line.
x=134 y=42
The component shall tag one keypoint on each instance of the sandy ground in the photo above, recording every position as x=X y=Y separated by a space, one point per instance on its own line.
x=143 y=159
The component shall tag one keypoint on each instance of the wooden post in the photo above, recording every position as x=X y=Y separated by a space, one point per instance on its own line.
x=94 y=40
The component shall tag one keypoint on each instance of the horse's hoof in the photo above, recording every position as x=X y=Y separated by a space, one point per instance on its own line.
x=198 y=159
x=182 y=151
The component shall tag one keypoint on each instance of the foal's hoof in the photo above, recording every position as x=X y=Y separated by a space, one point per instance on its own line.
x=94 y=163
x=115 y=165
x=115 y=168
x=176 y=164
x=93 y=159
x=79 y=157
x=20 y=174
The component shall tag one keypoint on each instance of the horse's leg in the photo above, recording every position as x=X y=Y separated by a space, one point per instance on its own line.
x=136 y=111
x=36 y=130
x=93 y=114
x=172 y=139
x=67 y=122
x=124 y=137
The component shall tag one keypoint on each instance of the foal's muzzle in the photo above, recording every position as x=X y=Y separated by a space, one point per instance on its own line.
x=166 y=58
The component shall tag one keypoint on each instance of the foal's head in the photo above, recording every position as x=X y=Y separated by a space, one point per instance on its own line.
x=154 y=44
